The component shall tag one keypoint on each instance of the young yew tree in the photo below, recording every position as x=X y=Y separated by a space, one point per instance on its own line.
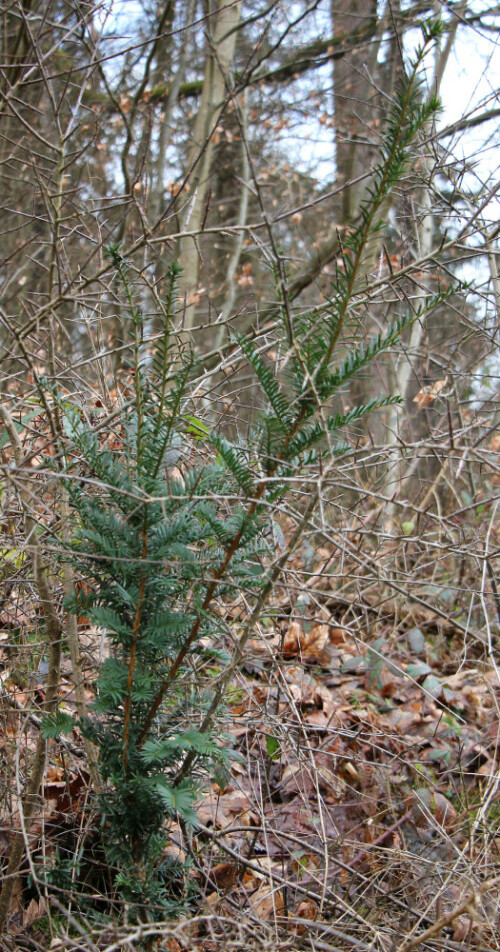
x=158 y=548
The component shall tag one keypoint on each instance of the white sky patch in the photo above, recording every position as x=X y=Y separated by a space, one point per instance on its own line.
x=471 y=81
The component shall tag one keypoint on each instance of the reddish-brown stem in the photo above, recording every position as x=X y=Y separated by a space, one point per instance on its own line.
x=217 y=574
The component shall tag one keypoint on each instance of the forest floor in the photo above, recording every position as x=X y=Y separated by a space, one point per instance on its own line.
x=362 y=810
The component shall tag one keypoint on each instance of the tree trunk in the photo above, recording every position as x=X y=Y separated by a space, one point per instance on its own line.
x=221 y=39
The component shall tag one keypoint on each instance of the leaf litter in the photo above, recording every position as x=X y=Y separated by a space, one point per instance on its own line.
x=364 y=760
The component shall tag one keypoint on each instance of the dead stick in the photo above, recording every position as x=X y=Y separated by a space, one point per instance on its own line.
x=469 y=905
x=54 y=636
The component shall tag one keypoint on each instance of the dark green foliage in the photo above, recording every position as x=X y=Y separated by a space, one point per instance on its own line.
x=155 y=552
x=146 y=546
x=53 y=725
x=296 y=427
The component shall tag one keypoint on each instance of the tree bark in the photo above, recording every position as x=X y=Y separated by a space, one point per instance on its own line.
x=220 y=51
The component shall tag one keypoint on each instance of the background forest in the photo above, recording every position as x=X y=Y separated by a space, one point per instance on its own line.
x=249 y=457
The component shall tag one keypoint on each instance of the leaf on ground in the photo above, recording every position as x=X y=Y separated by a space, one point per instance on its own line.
x=308 y=691
x=315 y=641
x=353 y=665
x=374 y=662
x=267 y=903
x=308 y=910
x=34 y=912
x=292 y=640
x=224 y=875
x=416 y=641
x=429 y=807
x=418 y=670
x=273 y=747
x=309 y=645
x=433 y=686
x=222 y=811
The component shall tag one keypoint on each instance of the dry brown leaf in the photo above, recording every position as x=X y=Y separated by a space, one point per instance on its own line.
x=267 y=864
x=292 y=640
x=195 y=297
x=307 y=909
x=307 y=690
x=290 y=771
x=400 y=719
x=224 y=875
x=487 y=769
x=314 y=643
x=306 y=862
x=34 y=911
x=426 y=395
x=267 y=903
x=212 y=899
x=317 y=719
x=310 y=645
x=174 y=853
x=334 y=785
x=224 y=810
x=338 y=636
x=428 y=806
x=461 y=928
